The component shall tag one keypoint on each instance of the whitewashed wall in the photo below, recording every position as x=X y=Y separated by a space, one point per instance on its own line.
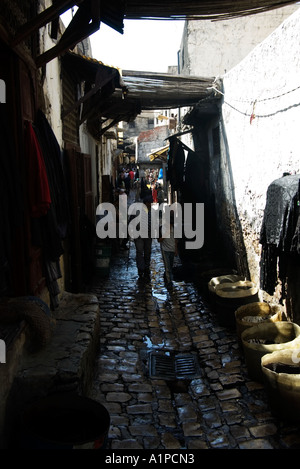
x=212 y=48
x=52 y=88
x=263 y=150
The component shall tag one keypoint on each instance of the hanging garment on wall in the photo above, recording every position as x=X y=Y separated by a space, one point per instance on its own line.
x=54 y=224
x=175 y=164
x=295 y=222
x=37 y=179
x=11 y=201
x=53 y=161
x=275 y=236
x=53 y=273
x=192 y=178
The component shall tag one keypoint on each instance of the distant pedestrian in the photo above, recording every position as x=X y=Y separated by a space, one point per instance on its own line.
x=154 y=193
x=131 y=175
x=160 y=194
x=137 y=188
x=169 y=250
x=143 y=245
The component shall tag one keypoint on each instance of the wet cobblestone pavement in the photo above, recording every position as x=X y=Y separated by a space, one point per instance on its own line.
x=220 y=408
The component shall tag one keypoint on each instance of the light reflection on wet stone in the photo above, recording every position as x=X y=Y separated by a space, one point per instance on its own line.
x=215 y=411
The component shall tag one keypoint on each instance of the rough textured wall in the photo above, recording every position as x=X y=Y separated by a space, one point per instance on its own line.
x=265 y=85
x=151 y=140
x=212 y=48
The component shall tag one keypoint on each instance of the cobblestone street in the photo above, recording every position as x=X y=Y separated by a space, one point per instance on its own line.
x=218 y=408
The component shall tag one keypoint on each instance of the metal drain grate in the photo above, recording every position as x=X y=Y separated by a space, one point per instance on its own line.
x=170 y=367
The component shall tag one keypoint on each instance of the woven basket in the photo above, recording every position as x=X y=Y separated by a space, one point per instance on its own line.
x=40 y=324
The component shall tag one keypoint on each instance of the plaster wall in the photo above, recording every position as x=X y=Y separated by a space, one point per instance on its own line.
x=265 y=85
x=151 y=140
x=52 y=94
x=212 y=48
x=52 y=87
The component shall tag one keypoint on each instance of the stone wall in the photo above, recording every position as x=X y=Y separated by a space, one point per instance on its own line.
x=265 y=86
x=212 y=48
x=260 y=121
x=151 y=140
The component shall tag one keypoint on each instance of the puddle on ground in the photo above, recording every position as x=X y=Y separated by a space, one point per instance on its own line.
x=151 y=346
x=161 y=296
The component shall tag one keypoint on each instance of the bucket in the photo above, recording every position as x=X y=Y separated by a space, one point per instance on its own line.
x=64 y=421
x=254 y=314
x=281 y=375
x=267 y=338
x=230 y=296
x=103 y=256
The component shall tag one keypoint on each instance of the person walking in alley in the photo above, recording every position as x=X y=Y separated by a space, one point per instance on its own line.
x=132 y=176
x=143 y=244
x=168 y=244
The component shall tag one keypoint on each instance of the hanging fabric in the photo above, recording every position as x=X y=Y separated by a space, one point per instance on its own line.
x=37 y=180
x=54 y=225
x=11 y=202
x=277 y=232
x=192 y=178
x=175 y=164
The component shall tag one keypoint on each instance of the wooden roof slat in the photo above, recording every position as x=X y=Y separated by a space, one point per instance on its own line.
x=205 y=9
x=162 y=90
x=43 y=18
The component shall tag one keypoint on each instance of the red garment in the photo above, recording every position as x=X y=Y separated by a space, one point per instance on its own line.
x=38 y=186
x=131 y=174
x=154 y=195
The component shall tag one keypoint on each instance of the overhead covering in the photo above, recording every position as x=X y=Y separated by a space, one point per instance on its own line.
x=161 y=153
x=101 y=82
x=91 y=13
x=199 y=9
x=167 y=91
x=110 y=98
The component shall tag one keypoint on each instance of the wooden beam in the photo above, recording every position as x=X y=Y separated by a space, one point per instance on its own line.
x=42 y=19
x=100 y=81
x=65 y=45
x=81 y=26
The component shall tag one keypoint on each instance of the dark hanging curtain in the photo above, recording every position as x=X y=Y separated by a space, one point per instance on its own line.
x=279 y=235
x=175 y=164
x=192 y=190
x=52 y=228
x=11 y=201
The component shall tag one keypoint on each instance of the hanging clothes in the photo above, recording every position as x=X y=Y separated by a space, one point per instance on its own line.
x=11 y=201
x=192 y=190
x=175 y=164
x=54 y=165
x=277 y=231
x=54 y=225
x=295 y=223
x=37 y=180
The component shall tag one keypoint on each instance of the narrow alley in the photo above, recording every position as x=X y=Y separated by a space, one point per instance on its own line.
x=145 y=329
